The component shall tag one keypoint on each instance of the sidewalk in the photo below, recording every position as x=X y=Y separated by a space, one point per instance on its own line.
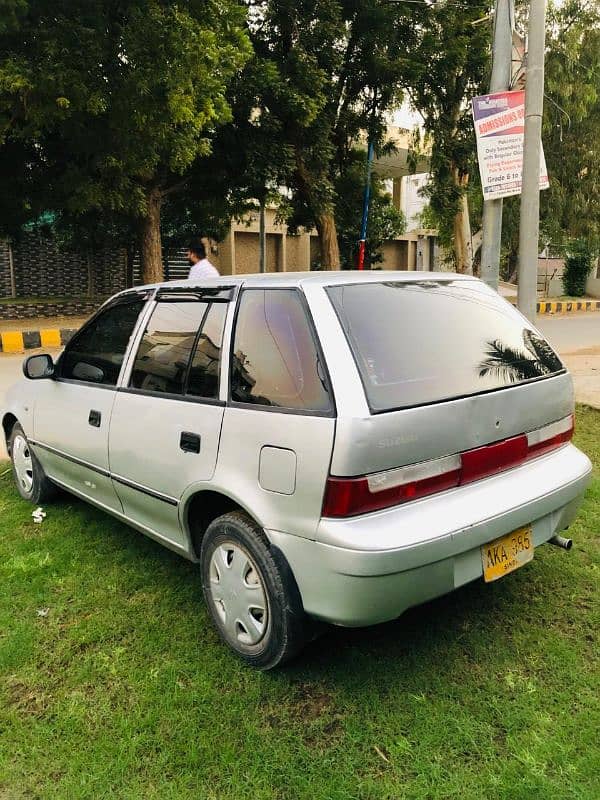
x=39 y=323
x=19 y=335
x=548 y=306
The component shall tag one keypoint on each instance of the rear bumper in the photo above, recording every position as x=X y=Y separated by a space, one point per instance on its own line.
x=372 y=568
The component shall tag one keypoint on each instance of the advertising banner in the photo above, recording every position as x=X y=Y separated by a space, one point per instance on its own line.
x=500 y=126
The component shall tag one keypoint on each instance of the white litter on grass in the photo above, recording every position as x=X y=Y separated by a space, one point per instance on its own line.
x=38 y=515
x=42 y=612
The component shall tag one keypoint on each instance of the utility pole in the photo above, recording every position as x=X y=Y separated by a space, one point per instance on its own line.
x=500 y=82
x=529 y=229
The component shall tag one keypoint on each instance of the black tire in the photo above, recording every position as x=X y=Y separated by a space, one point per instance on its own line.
x=286 y=628
x=41 y=489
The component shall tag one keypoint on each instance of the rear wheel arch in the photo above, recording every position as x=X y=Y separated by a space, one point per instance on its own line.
x=207 y=505
x=204 y=507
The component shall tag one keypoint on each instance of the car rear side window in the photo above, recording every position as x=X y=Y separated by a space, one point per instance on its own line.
x=427 y=341
x=162 y=360
x=95 y=355
x=275 y=359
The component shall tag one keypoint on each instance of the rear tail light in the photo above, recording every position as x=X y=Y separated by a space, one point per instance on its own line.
x=551 y=436
x=348 y=497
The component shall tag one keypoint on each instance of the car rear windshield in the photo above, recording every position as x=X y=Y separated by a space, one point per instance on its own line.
x=426 y=341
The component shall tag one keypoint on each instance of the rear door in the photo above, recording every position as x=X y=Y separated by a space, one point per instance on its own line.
x=72 y=412
x=280 y=420
x=167 y=417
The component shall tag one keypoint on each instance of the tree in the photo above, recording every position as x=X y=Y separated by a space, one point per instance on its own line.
x=571 y=206
x=578 y=266
x=118 y=100
x=335 y=67
x=448 y=67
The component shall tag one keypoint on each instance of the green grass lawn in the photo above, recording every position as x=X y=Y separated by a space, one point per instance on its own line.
x=113 y=684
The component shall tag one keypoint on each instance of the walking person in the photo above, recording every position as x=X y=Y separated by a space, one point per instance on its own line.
x=200 y=265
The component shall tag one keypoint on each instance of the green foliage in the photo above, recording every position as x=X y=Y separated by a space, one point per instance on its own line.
x=10 y=13
x=248 y=161
x=118 y=99
x=578 y=265
x=571 y=206
x=332 y=70
x=449 y=66
x=385 y=221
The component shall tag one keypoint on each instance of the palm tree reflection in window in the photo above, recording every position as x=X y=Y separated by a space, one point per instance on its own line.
x=537 y=360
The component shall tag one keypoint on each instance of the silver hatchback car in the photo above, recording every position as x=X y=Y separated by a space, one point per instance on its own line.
x=328 y=446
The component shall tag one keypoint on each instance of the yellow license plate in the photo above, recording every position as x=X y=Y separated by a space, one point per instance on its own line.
x=507 y=553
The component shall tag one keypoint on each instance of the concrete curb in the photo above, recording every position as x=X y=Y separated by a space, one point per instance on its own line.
x=562 y=306
x=19 y=341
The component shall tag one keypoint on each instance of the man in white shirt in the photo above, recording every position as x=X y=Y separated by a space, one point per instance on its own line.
x=201 y=266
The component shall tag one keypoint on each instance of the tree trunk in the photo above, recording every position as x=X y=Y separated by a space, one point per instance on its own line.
x=328 y=241
x=150 y=243
x=463 y=250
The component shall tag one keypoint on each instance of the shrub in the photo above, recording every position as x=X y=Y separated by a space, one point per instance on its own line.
x=578 y=267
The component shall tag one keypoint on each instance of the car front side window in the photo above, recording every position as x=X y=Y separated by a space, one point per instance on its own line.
x=95 y=354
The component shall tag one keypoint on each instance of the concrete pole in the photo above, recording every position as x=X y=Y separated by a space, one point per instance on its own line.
x=499 y=82
x=529 y=230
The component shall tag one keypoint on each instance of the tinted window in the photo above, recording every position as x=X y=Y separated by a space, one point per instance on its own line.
x=275 y=359
x=96 y=354
x=204 y=374
x=422 y=342
x=162 y=360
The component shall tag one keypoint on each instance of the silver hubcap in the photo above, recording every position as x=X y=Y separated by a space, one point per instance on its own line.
x=238 y=594
x=21 y=456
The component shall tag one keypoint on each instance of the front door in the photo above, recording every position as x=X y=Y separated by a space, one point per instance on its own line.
x=72 y=412
x=166 y=421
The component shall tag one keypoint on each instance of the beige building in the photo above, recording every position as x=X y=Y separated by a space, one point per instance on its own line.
x=238 y=253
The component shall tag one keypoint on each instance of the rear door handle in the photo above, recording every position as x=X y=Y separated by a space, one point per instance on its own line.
x=189 y=442
x=95 y=418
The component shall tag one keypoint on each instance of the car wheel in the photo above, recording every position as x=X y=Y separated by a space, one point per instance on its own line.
x=251 y=593
x=30 y=478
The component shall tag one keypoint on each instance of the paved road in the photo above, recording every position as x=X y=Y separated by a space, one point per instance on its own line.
x=571 y=334
x=577 y=339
